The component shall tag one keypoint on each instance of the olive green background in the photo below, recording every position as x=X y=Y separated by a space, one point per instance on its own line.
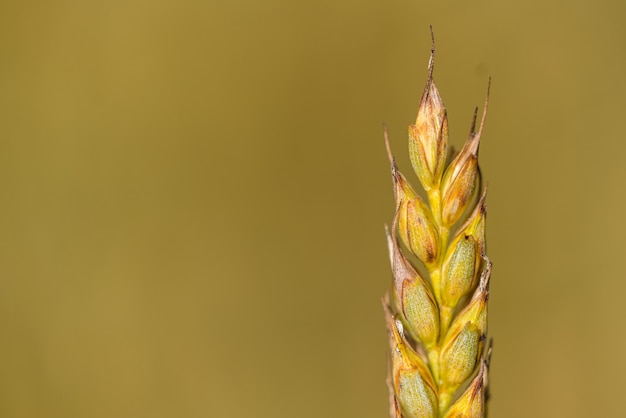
x=194 y=192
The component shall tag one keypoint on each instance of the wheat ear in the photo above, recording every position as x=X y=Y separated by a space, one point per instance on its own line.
x=437 y=323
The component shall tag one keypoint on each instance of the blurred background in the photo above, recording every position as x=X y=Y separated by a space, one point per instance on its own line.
x=193 y=199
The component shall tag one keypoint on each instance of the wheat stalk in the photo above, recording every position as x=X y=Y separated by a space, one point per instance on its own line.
x=438 y=325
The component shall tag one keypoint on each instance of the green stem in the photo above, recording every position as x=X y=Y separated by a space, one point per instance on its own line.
x=433 y=359
x=445 y=312
x=435 y=279
x=445 y=315
x=434 y=198
x=445 y=398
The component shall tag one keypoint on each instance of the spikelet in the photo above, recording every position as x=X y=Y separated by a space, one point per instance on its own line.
x=437 y=323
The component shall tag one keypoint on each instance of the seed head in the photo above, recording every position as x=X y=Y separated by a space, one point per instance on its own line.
x=413 y=217
x=475 y=224
x=463 y=261
x=464 y=341
x=471 y=404
x=414 y=387
x=459 y=270
x=459 y=179
x=437 y=324
x=414 y=297
x=428 y=137
x=421 y=234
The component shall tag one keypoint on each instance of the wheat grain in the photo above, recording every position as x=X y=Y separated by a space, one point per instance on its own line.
x=438 y=325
